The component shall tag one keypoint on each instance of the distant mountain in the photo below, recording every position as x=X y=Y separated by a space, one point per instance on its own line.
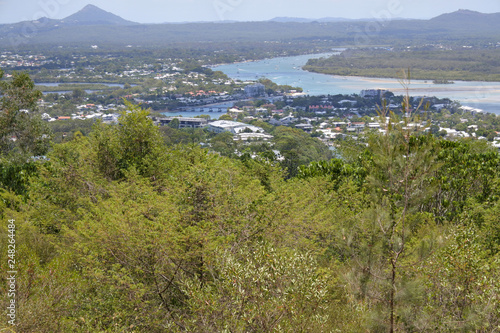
x=307 y=20
x=467 y=19
x=461 y=18
x=92 y=15
x=92 y=25
x=291 y=19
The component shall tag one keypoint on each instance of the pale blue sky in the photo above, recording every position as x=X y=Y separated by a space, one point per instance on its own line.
x=159 y=11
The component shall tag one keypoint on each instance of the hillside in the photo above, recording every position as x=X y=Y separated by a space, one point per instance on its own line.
x=93 y=25
x=467 y=20
x=92 y=15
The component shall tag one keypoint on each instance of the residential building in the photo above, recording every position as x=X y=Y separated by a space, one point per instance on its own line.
x=255 y=90
x=305 y=127
x=372 y=93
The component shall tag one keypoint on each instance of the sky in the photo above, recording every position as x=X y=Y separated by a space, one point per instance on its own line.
x=162 y=11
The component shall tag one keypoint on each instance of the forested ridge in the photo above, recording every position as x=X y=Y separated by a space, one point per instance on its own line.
x=122 y=231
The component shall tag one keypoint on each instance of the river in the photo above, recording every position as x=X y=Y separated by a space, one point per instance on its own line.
x=288 y=70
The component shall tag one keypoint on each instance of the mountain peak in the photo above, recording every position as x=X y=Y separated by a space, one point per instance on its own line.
x=460 y=14
x=91 y=7
x=467 y=21
x=467 y=11
x=93 y=15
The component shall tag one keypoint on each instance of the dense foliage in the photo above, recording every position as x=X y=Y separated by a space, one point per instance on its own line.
x=124 y=230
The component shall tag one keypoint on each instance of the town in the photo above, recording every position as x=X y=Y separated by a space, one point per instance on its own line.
x=176 y=88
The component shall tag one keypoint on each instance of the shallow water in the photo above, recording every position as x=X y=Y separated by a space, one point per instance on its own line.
x=288 y=70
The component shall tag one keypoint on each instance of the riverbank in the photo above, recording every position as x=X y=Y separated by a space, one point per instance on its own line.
x=288 y=70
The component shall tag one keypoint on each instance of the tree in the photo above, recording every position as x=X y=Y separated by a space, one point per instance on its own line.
x=225 y=117
x=174 y=123
x=224 y=143
x=78 y=94
x=461 y=284
x=23 y=134
x=134 y=143
x=467 y=172
x=258 y=289
x=400 y=162
x=22 y=131
x=298 y=148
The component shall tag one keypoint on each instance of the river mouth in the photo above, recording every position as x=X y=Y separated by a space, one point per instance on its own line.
x=288 y=70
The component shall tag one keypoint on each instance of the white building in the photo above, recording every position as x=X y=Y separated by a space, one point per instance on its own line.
x=234 y=127
x=373 y=93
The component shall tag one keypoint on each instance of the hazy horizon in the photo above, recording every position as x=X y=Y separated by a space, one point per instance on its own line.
x=175 y=11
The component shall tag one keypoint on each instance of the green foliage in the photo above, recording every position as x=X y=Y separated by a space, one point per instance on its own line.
x=224 y=144
x=336 y=169
x=22 y=132
x=174 y=123
x=225 y=117
x=258 y=289
x=23 y=135
x=298 y=148
x=67 y=130
x=134 y=143
x=15 y=177
x=272 y=87
x=467 y=172
x=461 y=285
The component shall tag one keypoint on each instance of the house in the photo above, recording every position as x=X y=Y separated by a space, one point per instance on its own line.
x=356 y=127
x=255 y=90
x=287 y=120
x=252 y=137
x=331 y=133
x=359 y=124
x=110 y=118
x=235 y=111
x=373 y=125
x=344 y=102
x=305 y=127
x=372 y=93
